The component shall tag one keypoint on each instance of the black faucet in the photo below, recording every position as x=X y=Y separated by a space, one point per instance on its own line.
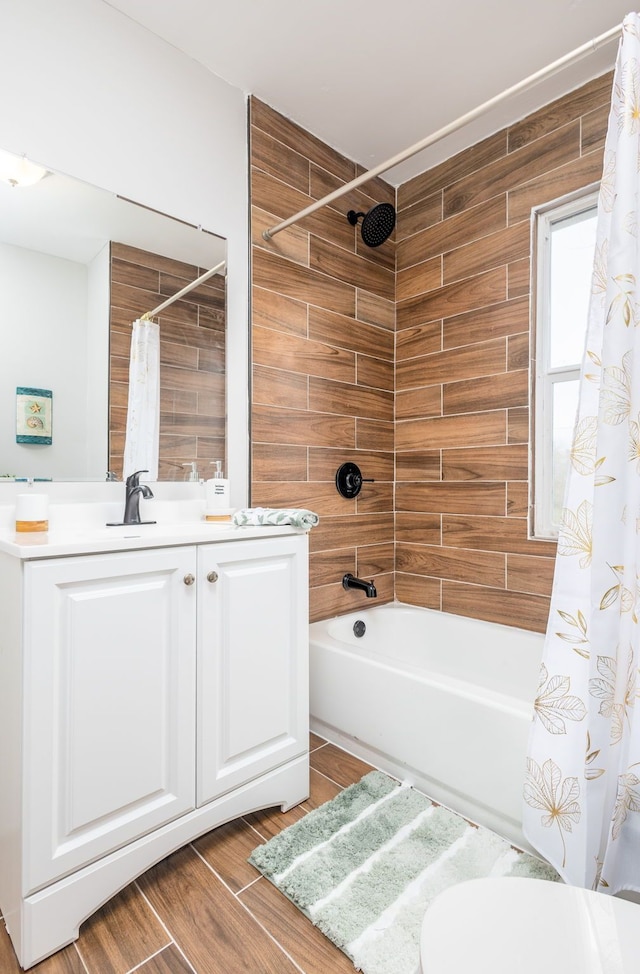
x=350 y=581
x=132 y=499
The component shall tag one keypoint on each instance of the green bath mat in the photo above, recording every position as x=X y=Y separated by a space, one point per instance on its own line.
x=365 y=866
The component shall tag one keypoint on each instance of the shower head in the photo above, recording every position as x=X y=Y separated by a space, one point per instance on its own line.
x=377 y=224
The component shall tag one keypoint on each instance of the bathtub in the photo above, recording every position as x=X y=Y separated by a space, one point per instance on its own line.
x=438 y=700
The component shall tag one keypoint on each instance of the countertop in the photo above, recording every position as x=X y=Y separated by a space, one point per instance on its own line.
x=79 y=514
x=94 y=539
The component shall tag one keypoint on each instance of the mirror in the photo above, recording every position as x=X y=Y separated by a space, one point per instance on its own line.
x=77 y=266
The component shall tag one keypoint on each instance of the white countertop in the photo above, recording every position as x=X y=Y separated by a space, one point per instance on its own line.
x=93 y=540
x=79 y=513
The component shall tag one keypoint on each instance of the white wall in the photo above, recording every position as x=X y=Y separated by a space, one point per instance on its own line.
x=96 y=448
x=45 y=348
x=90 y=93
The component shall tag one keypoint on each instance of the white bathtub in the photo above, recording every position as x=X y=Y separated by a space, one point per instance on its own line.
x=439 y=700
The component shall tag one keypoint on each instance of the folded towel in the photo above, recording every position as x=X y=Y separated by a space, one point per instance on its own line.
x=276 y=515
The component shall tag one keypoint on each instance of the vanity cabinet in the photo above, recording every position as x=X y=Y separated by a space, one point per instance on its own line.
x=161 y=692
x=253 y=702
x=109 y=664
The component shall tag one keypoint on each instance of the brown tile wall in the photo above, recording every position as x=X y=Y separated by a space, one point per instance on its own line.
x=192 y=359
x=445 y=302
x=323 y=358
x=462 y=354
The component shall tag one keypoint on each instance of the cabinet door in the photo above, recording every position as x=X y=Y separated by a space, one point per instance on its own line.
x=253 y=711
x=110 y=703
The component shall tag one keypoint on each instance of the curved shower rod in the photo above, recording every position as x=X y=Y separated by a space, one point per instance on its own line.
x=533 y=79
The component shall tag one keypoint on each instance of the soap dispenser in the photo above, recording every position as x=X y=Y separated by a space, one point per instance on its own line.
x=217 y=496
x=193 y=476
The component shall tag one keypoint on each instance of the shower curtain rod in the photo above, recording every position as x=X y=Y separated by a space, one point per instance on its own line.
x=567 y=59
x=185 y=290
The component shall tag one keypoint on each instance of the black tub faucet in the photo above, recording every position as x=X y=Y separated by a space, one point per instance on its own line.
x=132 y=499
x=350 y=581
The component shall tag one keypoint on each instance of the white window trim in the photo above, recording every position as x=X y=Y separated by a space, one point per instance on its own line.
x=543 y=379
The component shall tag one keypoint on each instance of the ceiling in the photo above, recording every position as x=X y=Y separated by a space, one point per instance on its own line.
x=64 y=217
x=372 y=78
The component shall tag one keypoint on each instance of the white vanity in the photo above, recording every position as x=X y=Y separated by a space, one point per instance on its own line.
x=153 y=685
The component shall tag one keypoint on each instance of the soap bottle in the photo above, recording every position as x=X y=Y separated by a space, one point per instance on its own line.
x=193 y=476
x=217 y=496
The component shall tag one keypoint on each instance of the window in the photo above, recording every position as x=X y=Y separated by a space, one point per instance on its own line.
x=565 y=235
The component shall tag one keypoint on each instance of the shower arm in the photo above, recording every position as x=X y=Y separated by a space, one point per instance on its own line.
x=551 y=69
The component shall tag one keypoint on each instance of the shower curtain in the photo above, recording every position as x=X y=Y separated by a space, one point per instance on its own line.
x=582 y=785
x=143 y=411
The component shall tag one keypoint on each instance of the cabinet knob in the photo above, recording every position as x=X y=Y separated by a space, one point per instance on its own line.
x=189 y=579
x=212 y=577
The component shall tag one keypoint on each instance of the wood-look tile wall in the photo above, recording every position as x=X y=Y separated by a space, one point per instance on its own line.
x=462 y=355
x=192 y=359
x=445 y=301
x=323 y=358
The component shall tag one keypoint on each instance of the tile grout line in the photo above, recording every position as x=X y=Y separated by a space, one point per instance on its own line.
x=248 y=885
x=312 y=750
x=172 y=939
x=254 y=829
x=79 y=953
x=150 y=957
x=244 y=906
x=332 y=780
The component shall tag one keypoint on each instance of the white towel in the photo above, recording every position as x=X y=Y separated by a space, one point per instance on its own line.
x=297 y=516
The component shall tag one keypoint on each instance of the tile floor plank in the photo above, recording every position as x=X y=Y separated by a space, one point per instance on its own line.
x=65 y=961
x=227 y=849
x=315 y=741
x=168 y=961
x=271 y=821
x=122 y=934
x=322 y=790
x=309 y=948
x=205 y=919
x=345 y=769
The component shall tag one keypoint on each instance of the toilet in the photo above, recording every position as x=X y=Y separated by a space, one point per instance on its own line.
x=514 y=925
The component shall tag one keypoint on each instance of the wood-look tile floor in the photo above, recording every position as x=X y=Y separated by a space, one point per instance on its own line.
x=205 y=910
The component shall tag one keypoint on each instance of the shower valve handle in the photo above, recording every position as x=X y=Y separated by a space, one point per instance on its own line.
x=349 y=480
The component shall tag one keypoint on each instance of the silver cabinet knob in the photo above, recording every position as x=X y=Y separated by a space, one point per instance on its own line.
x=189 y=579
x=212 y=577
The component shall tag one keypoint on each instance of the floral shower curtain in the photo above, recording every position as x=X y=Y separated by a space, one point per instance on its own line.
x=582 y=787
x=142 y=439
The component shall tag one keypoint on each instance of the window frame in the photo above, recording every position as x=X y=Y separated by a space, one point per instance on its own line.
x=543 y=378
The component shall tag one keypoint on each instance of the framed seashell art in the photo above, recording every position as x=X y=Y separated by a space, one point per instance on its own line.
x=33 y=415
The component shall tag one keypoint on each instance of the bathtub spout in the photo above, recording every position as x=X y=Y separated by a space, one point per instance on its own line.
x=350 y=581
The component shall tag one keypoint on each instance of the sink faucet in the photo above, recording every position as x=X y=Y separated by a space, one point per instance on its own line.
x=132 y=499
x=350 y=581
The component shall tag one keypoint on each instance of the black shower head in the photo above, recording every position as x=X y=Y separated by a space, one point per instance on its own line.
x=377 y=224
